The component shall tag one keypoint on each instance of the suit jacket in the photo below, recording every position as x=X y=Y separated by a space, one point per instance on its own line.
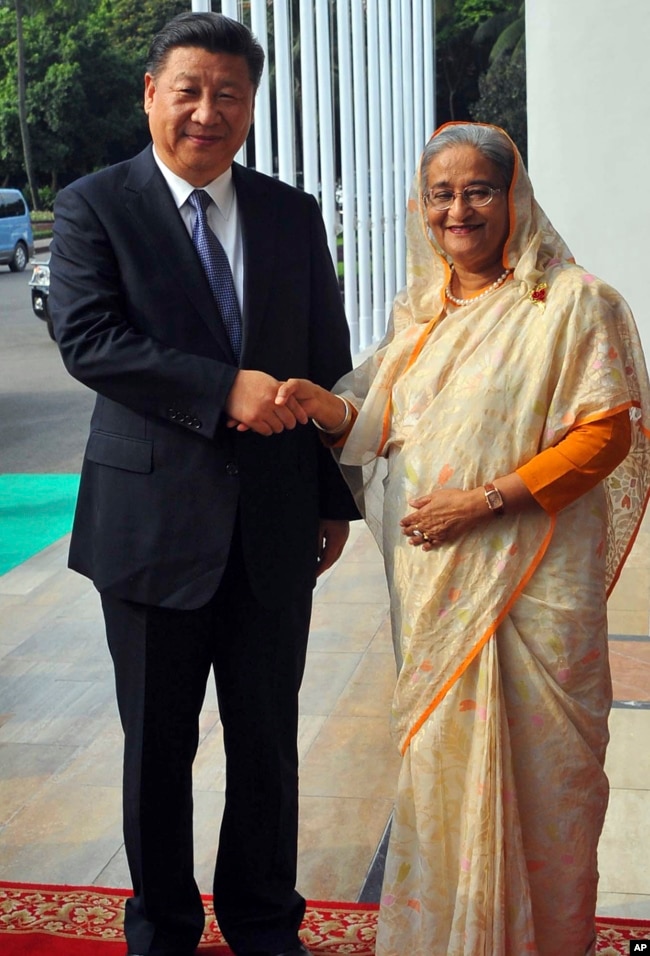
x=163 y=478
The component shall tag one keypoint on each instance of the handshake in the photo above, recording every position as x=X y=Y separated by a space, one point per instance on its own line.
x=259 y=402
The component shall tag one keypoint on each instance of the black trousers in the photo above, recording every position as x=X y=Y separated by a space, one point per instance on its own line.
x=162 y=660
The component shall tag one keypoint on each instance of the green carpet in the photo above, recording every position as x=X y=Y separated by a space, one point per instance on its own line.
x=35 y=510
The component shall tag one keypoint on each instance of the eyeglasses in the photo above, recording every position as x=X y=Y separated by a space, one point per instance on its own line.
x=472 y=196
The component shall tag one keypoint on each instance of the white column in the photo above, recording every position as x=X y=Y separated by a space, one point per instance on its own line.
x=387 y=146
x=405 y=66
x=377 y=172
x=347 y=169
x=429 y=34
x=399 y=173
x=309 y=105
x=418 y=79
x=262 y=127
x=284 y=92
x=588 y=76
x=325 y=122
x=359 y=77
x=229 y=9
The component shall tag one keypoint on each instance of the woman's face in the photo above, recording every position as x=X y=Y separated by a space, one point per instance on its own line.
x=473 y=237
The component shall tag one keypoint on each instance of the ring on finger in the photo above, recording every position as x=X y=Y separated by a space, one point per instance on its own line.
x=418 y=534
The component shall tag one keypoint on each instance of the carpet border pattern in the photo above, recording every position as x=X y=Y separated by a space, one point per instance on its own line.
x=88 y=912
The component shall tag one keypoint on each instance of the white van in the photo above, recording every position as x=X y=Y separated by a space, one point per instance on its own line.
x=16 y=239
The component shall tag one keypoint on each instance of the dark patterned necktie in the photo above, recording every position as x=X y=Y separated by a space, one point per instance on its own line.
x=217 y=268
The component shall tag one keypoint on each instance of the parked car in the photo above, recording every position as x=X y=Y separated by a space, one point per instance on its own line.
x=40 y=286
x=16 y=238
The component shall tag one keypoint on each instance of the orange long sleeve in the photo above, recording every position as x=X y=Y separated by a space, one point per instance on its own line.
x=587 y=454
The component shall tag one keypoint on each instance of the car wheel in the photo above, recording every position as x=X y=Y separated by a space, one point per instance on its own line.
x=19 y=260
x=50 y=328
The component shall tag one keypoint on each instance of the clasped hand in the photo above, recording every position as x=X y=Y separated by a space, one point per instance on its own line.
x=252 y=405
x=259 y=402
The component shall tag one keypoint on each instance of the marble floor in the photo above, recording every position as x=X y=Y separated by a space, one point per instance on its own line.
x=60 y=739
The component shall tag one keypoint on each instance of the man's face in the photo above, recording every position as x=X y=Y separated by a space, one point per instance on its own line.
x=200 y=109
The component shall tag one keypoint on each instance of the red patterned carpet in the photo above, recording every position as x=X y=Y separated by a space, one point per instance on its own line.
x=73 y=921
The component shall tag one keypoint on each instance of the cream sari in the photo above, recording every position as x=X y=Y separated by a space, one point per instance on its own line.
x=503 y=690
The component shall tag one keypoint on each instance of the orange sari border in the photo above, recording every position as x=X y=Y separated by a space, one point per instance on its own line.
x=480 y=644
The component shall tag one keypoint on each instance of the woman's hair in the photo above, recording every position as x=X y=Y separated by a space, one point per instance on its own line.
x=208 y=31
x=491 y=142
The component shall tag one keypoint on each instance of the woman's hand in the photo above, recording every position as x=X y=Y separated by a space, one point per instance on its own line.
x=444 y=516
x=251 y=405
x=328 y=409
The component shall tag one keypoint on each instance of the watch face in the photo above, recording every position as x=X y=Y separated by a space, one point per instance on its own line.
x=494 y=499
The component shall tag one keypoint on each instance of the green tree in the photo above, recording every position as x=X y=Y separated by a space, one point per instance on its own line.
x=131 y=25
x=502 y=87
x=503 y=98
x=459 y=60
x=83 y=68
x=505 y=31
x=22 y=108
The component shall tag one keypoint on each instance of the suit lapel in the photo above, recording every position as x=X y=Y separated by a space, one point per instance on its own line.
x=151 y=204
x=257 y=210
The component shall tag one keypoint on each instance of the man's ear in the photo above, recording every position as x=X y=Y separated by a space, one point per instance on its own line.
x=149 y=91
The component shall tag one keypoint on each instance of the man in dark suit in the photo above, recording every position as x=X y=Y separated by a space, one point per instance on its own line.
x=205 y=510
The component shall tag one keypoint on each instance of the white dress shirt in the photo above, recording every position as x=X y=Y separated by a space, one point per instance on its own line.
x=223 y=217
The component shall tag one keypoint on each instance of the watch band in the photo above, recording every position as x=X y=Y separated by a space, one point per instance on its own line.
x=493 y=499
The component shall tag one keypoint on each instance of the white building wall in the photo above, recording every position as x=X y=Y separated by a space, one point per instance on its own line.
x=588 y=87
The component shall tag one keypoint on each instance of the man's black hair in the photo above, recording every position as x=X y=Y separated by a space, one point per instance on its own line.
x=209 y=31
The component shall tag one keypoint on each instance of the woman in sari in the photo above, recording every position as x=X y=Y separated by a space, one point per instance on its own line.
x=507 y=408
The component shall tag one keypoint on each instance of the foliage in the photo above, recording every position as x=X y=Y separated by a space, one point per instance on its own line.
x=503 y=97
x=43 y=215
x=459 y=62
x=502 y=87
x=505 y=31
x=85 y=63
x=468 y=32
x=130 y=26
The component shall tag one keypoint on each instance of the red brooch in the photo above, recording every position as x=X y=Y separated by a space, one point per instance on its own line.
x=538 y=295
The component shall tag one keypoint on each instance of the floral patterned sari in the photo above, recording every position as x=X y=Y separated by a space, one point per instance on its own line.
x=503 y=690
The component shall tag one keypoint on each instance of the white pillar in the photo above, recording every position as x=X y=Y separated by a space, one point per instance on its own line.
x=362 y=166
x=284 y=92
x=377 y=174
x=418 y=78
x=429 y=34
x=229 y=9
x=588 y=76
x=326 y=124
x=308 y=99
x=387 y=149
x=347 y=170
x=400 y=174
x=262 y=125
x=405 y=66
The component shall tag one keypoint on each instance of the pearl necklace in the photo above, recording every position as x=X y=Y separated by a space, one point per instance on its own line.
x=495 y=285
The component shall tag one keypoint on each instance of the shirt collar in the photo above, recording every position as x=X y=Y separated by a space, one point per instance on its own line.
x=220 y=189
